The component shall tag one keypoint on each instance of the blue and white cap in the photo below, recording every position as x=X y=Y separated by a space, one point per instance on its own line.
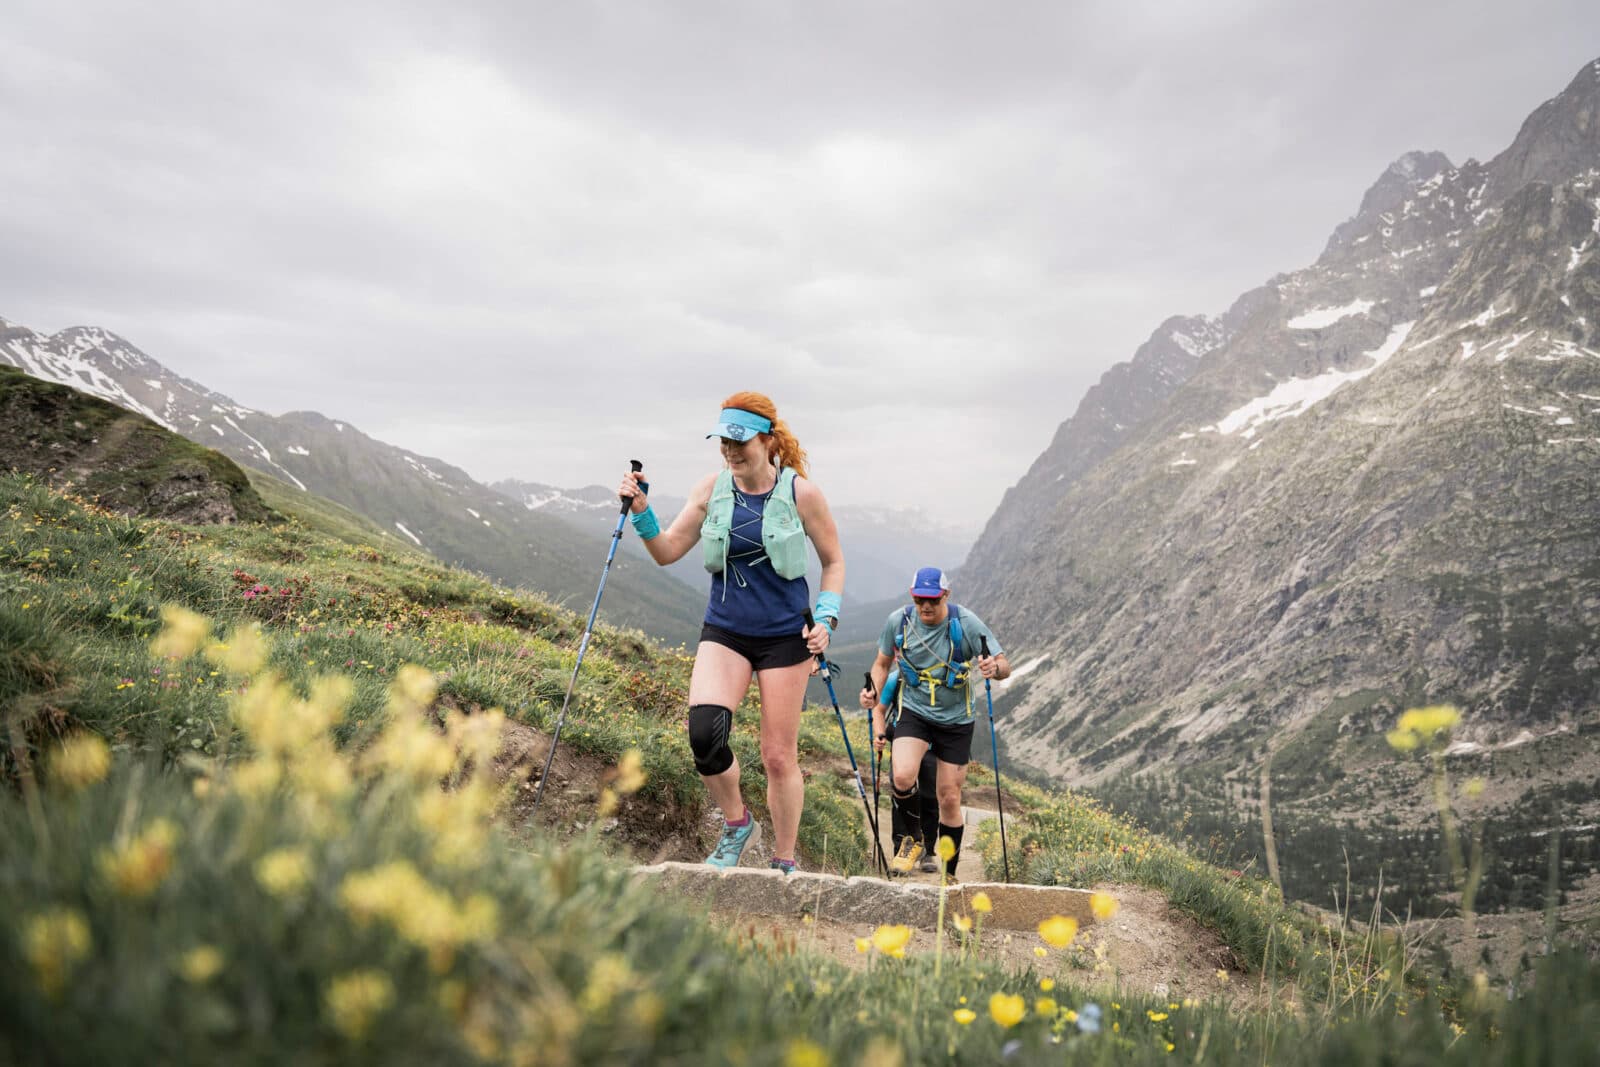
x=737 y=424
x=930 y=581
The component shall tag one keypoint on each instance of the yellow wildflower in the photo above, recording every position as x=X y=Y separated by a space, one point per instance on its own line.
x=477 y=737
x=1473 y=788
x=245 y=651
x=863 y=945
x=1419 y=726
x=1058 y=931
x=1046 y=1006
x=54 y=942
x=609 y=976
x=630 y=773
x=82 y=760
x=1156 y=1016
x=410 y=747
x=1039 y=950
x=1402 y=740
x=413 y=689
x=182 y=632
x=965 y=1015
x=1104 y=905
x=355 y=1000
x=1007 y=1009
x=646 y=1011
x=284 y=872
x=1047 y=984
x=137 y=867
x=946 y=848
x=258 y=778
x=200 y=964
x=981 y=902
x=963 y=923
x=804 y=1053
x=891 y=940
x=1222 y=976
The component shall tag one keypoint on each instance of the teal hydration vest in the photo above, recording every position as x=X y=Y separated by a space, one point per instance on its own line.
x=951 y=673
x=783 y=536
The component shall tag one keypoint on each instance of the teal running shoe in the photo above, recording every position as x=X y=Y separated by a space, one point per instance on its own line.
x=733 y=842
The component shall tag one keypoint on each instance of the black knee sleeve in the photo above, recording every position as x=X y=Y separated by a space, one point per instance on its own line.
x=708 y=738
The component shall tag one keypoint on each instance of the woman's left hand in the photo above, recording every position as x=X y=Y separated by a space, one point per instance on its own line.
x=817 y=639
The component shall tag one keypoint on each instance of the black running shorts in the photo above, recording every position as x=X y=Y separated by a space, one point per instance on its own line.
x=950 y=744
x=784 y=650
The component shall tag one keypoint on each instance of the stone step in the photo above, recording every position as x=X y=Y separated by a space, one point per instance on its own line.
x=859 y=899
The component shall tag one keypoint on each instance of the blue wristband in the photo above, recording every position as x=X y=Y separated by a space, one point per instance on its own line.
x=827 y=609
x=645 y=523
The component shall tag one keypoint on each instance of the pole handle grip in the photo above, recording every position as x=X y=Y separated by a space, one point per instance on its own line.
x=644 y=487
x=983 y=641
x=869 y=686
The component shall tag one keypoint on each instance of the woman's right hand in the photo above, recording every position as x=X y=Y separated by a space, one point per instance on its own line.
x=629 y=490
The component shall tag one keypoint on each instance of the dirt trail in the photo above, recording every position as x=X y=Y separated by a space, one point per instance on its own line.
x=1147 y=947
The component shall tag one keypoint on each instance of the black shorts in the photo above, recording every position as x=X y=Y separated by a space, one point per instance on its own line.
x=950 y=744
x=784 y=650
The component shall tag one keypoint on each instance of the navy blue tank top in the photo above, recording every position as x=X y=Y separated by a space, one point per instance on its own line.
x=749 y=597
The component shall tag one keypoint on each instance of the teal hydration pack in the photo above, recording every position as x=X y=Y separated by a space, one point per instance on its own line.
x=950 y=672
x=783 y=535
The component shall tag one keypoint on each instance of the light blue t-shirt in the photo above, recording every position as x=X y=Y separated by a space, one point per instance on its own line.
x=928 y=648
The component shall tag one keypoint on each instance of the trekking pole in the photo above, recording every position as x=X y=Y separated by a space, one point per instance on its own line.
x=872 y=816
x=583 y=645
x=877 y=763
x=994 y=751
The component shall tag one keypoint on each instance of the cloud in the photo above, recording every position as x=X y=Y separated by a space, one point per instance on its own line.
x=535 y=239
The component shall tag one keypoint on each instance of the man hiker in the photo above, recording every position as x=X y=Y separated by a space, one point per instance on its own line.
x=935 y=644
x=927 y=777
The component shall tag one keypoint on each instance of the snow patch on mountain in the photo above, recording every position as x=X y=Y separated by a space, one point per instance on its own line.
x=402 y=528
x=1318 y=318
x=1297 y=395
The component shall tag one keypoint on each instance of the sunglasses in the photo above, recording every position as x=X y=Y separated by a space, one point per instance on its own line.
x=927 y=599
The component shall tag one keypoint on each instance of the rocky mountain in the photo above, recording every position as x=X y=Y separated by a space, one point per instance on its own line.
x=1379 y=487
x=418 y=499
x=122 y=461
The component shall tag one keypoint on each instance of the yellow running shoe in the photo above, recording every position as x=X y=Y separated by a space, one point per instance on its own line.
x=906 y=859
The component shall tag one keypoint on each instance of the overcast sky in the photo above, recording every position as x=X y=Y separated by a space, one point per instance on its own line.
x=538 y=239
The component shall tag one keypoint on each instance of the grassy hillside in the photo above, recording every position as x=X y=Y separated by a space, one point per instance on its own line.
x=223 y=838
x=121 y=460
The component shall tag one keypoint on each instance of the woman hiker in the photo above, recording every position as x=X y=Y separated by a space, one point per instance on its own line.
x=933 y=643
x=753 y=518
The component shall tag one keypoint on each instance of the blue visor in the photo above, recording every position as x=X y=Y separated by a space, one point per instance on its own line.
x=736 y=424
